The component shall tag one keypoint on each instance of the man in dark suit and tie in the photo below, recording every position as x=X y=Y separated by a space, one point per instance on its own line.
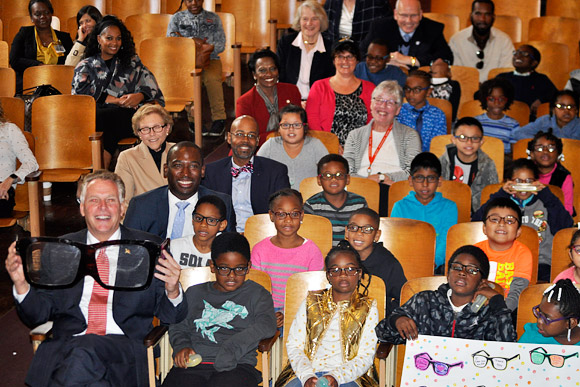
x=98 y=333
x=413 y=40
x=249 y=179
x=167 y=211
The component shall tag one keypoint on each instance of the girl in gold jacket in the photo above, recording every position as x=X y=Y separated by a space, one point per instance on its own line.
x=333 y=335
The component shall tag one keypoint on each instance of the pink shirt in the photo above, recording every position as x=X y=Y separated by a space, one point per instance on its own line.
x=568 y=273
x=281 y=263
x=567 y=188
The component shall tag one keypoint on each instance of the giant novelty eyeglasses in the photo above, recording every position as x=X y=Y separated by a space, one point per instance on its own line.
x=61 y=263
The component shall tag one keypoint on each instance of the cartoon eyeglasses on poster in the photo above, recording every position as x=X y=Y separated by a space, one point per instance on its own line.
x=423 y=360
x=481 y=358
x=538 y=355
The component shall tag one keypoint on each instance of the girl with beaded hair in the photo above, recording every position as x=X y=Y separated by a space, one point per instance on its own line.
x=558 y=315
x=332 y=340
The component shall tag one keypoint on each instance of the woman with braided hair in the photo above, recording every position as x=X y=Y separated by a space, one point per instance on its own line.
x=558 y=315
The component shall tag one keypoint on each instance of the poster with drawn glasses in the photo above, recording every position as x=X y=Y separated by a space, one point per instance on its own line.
x=443 y=361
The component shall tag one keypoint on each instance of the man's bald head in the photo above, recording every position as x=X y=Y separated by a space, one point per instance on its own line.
x=408 y=14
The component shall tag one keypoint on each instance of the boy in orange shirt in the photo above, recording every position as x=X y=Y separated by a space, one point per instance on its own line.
x=510 y=261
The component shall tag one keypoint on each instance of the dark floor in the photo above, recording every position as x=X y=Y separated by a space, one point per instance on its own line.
x=62 y=216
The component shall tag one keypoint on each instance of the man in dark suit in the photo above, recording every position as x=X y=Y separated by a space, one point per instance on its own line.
x=156 y=210
x=98 y=333
x=249 y=179
x=413 y=41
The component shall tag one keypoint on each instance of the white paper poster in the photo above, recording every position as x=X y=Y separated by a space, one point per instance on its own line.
x=443 y=361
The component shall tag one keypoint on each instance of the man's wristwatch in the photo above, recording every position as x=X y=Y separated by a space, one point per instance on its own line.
x=14 y=177
x=381 y=177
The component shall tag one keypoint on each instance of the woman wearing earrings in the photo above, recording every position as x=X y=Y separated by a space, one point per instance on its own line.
x=558 y=315
x=267 y=97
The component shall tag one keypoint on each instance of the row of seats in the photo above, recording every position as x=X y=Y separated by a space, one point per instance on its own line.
x=57 y=119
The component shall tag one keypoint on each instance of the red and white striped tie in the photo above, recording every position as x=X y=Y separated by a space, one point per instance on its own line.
x=97 y=320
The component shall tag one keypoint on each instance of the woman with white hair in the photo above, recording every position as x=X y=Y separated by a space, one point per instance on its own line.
x=383 y=149
x=305 y=56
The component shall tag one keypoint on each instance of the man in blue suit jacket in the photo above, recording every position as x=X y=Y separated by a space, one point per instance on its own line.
x=249 y=179
x=184 y=169
x=116 y=356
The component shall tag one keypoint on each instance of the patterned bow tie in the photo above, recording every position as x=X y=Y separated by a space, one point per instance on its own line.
x=249 y=167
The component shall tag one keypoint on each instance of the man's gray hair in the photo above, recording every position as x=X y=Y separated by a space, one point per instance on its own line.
x=103 y=174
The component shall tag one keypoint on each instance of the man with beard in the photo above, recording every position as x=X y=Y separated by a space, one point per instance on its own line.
x=249 y=179
x=167 y=211
x=481 y=45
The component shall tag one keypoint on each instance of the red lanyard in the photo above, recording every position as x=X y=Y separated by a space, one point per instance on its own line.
x=372 y=157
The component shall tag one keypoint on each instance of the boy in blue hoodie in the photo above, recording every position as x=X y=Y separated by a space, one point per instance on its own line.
x=426 y=204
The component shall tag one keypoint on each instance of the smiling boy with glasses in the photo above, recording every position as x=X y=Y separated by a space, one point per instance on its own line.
x=540 y=209
x=417 y=113
x=334 y=202
x=227 y=318
x=464 y=161
x=209 y=219
x=426 y=204
x=376 y=66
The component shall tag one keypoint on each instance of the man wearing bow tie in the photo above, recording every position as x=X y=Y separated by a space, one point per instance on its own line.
x=167 y=211
x=413 y=40
x=249 y=179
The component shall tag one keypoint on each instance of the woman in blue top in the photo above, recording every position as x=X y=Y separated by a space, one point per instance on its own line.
x=558 y=315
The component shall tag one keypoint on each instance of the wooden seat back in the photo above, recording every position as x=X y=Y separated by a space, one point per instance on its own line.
x=565 y=30
x=7 y=82
x=173 y=76
x=147 y=26
x=62 y=125
x=417 y=258
x=450 y=21
x=124 y=8
x=59 y=76
x=560 y=252
x=14 y=110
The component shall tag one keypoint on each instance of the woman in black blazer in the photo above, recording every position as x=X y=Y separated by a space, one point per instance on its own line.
x=39 y=44
x=305 y=39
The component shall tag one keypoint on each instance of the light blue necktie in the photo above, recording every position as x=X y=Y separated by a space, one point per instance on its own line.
x=404 y=48
x=179 y=221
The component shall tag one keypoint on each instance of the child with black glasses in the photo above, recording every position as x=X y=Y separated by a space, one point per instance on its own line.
x=464 y=161
x=424 y=203
x=450 y=310
x=227 y=318
x=209 y=219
